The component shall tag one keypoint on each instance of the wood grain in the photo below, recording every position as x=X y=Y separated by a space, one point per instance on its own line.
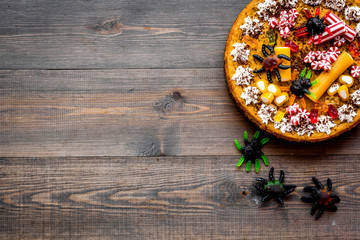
x=130 y=113
x=169 y=198
x=92 y=34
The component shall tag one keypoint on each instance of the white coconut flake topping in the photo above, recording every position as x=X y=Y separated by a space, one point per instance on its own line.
x=243 y=76
x=267 y=9
x=250 y=95
x=357 y=29
x=284 y=125
x=240 y=52
x=336 y=5
x=312 y=2
x=355 y=97
x=267 y=113
x=252 y=27
x=352 y=13
x=288 y=3
x=305 y=127
x=325 y=124
x=346 y=113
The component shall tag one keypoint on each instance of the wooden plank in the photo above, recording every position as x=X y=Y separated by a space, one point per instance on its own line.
x=130 y=113
x=115 y=34
x=170 y=198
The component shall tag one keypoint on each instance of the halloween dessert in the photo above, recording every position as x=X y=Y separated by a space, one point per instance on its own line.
x=274 y=188
x=252 y=151
x=321 y=197
x=292 y=67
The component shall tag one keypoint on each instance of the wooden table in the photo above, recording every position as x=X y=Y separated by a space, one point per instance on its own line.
x=116 y=123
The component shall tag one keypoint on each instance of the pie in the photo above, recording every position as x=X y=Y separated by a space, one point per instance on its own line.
x=292 y=67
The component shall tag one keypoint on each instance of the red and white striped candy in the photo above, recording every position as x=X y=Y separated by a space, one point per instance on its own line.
x=282 y=23
x=355 y=71
x=285 y=32
x=320 y=55
x=273 y=22
x=315 y=65
x=292 y=109
x=336 y=29
x=293 y=13
x=291 y=22
x=295 y=120
x=303 y=113
x=331 y=57
x=310 y=57
x=325 y=65
x=339 y=41
x=334 y=50
x=284 y=15
x=331 y=18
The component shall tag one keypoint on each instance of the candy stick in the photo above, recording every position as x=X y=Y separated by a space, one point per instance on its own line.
x=336 y=29
x=325 y=79
x=331 y=18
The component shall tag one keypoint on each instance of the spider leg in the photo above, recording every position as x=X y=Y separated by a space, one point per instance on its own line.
x=260 y=188
x=258 y=57
x=307 y=199
x=282 y=175
x=288 y=186
x=277 y=73
x=283 y=56
x=300 y=34
x=289 y=191
x=264 y=140
x=271 y=49
x=246 y=138
x=238 y=146
x=308 y=74
x=317 y=12
x=301 y=28
x=314 y=208
x=259 y=70
x=264 y=50
x=311 y=40
x=257 y=165
x=280 y=200
x=310 y=189
x=317 y=183
x=248 y=166
x=332 y=207
x=329 y=184
x=318 y=214
x=303 y=72
x=256 y=135
x=264 y=158
x=271 y=174
x=281 y=66
x=241 y=160
x=268 y=74
x=263 y=180
x=335 y=198
x=266 y=198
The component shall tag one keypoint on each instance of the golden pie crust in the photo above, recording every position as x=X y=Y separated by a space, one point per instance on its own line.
x=250 y=111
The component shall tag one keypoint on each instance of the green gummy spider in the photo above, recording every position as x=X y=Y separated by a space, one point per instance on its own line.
x=252 y=151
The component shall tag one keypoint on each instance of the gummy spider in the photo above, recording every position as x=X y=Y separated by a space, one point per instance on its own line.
x=300 y=87
x=322 y=198
x=271 y=63
x=314 y=26
x=252 y=151
x=274 y=188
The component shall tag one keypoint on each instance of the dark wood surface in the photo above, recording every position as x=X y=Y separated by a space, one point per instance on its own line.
x=116 y=123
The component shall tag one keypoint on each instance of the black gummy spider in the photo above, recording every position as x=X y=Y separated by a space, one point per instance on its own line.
x=314 y=26
x=274 y=188
x=322 y=198
x=300 y=87
x=271 y=63
x=252 y=151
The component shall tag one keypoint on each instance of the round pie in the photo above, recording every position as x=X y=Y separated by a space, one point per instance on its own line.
x=292 y=67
